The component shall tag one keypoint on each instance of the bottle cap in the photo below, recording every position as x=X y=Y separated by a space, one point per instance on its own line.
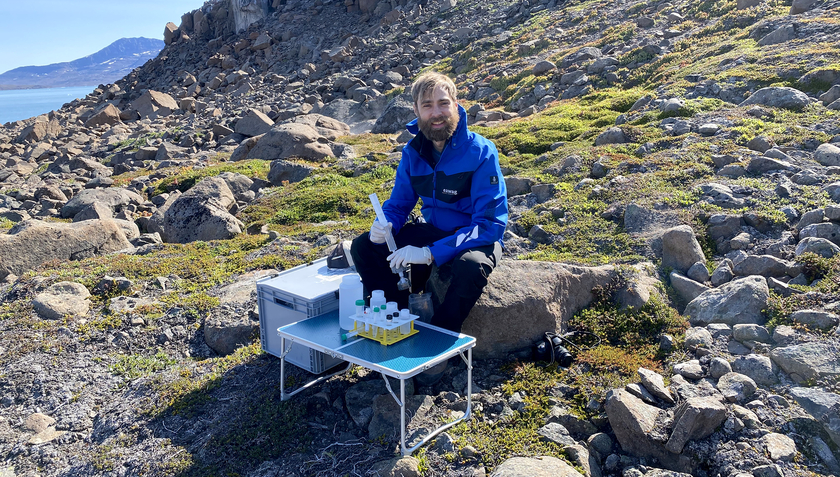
x=389 y=317
x=376 y=309
x=360 y=303
x=396 y=314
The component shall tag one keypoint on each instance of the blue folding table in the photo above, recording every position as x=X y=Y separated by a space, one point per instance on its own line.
x=401 y=360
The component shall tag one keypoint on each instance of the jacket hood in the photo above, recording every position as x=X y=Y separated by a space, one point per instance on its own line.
x=461 y=132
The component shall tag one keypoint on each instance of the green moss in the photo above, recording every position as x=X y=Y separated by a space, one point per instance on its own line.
x=135 y=365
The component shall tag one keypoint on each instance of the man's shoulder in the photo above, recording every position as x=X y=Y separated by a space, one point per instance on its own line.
x=479 y=141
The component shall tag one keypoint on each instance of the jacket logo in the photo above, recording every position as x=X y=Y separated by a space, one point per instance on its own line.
x=494 y=180
x=449 y=192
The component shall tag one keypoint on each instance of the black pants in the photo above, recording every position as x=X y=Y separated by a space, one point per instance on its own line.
x=469 y=271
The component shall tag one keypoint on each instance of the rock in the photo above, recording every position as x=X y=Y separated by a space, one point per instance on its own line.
x=807 y=361
x=689 y=369
x=778 y=97
x=751 y=333
x=33 y=242
x=827 y=155
x=826 y=230
x=291 y=140
x=736 y=302
x=201 y=213
x=695 y=418
x=62 y=299
x=686 y=288
x=526 y=298
x=518 y=185
x=359 y=398
x=698 y=272
x=542 y=68
x=780 y=35
x=153 y=104
x=240 y=185
x=40 y=130
x=762 y=165
x=718 y=367
x=581 y=457
x=680 y=249
x=254 y=123
x=759 y=368
x=94 y=211
x=38 y=422
x=698 y=337
x=641 y=392
x=634 y=423
x=816 y=319
x=115 y=198
x=397 y=467
x=47 y=435
x=764 y=265
x=671 y=105
x=224 y=334
x=801 y=6
x=778 y=446
x=819 y=246
x=722 y=274
x=612 y=135
x=109 y=115
x=556 y=433
x=385 y=420
x=830 y=96
x=398 y=113
x=736 y=387
x=285 y=171
x=170 y=33
x=654 y=383
x=545 y=466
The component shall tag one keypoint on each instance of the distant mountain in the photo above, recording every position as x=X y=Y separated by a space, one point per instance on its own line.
x=105 y=66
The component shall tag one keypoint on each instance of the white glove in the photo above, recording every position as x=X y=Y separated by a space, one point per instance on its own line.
x=410 y=254
x=379 y=231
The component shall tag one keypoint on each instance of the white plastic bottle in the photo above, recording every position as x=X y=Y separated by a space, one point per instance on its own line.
x=377 y=299
x=349 y=290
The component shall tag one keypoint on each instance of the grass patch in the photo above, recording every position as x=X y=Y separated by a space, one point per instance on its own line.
x=135 y=365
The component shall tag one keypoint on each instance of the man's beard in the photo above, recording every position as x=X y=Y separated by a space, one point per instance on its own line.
x=441 y=134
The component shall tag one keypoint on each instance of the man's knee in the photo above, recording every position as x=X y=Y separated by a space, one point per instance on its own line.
x=470 y=272
x=359 y=248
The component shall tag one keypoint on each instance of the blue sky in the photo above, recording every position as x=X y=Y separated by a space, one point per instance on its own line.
x=42 y=32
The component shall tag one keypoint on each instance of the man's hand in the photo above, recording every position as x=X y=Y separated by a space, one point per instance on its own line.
x=410 y=254
x=378 y=231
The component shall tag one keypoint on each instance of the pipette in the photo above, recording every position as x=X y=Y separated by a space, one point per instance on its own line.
x=403 y=284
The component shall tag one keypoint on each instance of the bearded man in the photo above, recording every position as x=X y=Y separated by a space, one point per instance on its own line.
x=456 y=174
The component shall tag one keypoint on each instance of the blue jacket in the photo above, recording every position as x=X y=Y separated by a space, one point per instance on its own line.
x=465 y=192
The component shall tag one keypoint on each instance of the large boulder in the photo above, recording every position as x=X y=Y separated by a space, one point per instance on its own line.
x=62 y=299
x=807 y=361
x=526 y=299
x=115 y=198
x=778 y=97
x=34 y=242
x=696 y=418
x=42 y=129
x=254 y=123
x=153 y=104
x=737 y=302
x=827 y=155
x=109 y=115
x=544 y=466
x=680 y=249
x=326 y=126
x=398 y=113
x=201 y=213
x=234 y=323
x=635 y=425
x=291 y=140
x=282 y=171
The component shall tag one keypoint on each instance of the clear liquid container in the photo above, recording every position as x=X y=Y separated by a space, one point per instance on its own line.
x=349 y=290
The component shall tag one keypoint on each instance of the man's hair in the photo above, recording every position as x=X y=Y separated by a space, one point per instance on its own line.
x=428 y=81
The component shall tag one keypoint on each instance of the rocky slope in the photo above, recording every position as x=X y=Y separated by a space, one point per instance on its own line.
x=105 y=66
x=686 y=149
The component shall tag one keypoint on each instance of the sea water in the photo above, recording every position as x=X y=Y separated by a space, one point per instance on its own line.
x=19 y=104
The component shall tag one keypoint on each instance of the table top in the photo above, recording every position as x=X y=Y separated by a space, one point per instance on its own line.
x=406 y=358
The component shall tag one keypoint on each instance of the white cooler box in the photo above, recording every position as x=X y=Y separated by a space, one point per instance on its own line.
x=294 y=295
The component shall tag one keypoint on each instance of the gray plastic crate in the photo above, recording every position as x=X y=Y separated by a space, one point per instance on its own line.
x=294 y=295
